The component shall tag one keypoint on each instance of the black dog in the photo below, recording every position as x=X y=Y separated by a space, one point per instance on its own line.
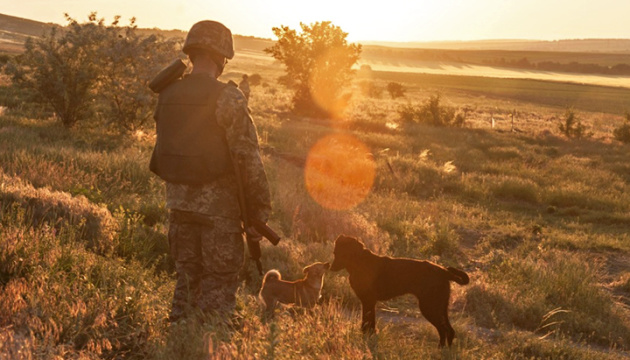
x=375 y=278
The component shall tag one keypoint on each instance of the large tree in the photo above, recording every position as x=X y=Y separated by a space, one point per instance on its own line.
x=319 y=64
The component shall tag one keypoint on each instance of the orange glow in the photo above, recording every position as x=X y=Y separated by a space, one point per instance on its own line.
x=339 y=171
x=323 y=87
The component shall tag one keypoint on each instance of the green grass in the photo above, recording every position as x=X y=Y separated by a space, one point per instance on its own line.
x=561 y=95
x=539 y=222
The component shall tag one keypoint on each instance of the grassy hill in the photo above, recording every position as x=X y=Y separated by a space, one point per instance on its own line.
x=540 y=222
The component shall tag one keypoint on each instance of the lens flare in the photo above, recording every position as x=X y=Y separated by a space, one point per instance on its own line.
x=339 y=171
x=324 y=86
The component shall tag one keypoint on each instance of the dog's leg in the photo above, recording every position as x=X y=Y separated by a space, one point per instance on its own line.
x=368 y=324
x=435 y=317
x=450 y=333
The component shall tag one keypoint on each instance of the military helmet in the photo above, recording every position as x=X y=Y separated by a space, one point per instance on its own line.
x=212 y=36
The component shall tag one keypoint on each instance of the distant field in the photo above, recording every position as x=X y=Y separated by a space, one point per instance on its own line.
x=456 y=68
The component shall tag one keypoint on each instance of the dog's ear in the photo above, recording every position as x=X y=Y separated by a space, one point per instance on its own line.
x=353 y=245
x=327 y=265
x=306 y=268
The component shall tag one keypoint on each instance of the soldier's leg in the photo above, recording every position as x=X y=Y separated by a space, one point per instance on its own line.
x=185 y=244
x=222 y=260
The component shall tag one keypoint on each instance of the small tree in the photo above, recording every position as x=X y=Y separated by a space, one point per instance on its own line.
x=572 y=126
x=395 y=90
x=319 y=63
x=89 y=67
x=63 y=68
x=255 y=79
x=434 y=113
x=370 y=89
x=129 y=61
x=622 y=133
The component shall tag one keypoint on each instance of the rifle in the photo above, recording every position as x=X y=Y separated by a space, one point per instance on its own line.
x=259 y=226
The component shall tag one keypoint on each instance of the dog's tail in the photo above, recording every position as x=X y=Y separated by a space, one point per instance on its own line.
x=458 y=276
x=272 y=275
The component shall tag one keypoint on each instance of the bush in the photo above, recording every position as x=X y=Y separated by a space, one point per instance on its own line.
x=395 y=90
x=370 y=89
x=319 y=64
x=573 y=127
x=129 y=62
x=255 y=79
x=432 y=112
x=92 y=67
x=622 y=133
x=63 y=68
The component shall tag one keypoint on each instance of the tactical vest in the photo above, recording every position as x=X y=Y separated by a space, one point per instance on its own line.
x=191 y=147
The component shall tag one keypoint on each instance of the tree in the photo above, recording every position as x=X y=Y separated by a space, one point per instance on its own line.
x=82 y=69
x=433 y=112
x=395 y=90
x=319 y=63
x=129 y=61
x=573 y=127
x=61 y=68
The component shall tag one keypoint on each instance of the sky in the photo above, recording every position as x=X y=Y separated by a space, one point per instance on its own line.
x=384 y=20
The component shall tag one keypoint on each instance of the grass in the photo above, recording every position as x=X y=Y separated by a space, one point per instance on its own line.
x=540 y=222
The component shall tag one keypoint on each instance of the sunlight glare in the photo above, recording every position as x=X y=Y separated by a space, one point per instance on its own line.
x=339 y=171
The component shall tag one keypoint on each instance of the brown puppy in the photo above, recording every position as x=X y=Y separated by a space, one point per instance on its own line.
x=303 y=292
x=375 y=278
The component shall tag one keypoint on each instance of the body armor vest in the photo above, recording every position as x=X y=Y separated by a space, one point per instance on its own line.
x=191 y=147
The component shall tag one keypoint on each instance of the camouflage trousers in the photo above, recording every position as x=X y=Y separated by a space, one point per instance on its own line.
x=208 y=258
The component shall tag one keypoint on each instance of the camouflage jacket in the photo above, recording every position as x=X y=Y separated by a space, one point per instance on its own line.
x=220 y=197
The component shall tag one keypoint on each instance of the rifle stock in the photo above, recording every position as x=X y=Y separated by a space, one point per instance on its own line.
x=266 y=231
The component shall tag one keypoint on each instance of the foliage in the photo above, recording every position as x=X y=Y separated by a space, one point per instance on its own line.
x=572 y=126
x=93 y=67
x=544 y=285
x=319 y=62
x=622 y=133
x=63 y=68
x=432 y=112
x=254 y=79
x=129 y=61
x=370 y=89
x=395 y=90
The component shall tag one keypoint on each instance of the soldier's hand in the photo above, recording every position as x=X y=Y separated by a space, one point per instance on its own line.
x=252 y=234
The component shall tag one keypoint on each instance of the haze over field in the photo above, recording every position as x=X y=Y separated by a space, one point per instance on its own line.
x=395 y=20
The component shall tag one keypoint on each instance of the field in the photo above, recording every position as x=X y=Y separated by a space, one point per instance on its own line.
x=539 y=222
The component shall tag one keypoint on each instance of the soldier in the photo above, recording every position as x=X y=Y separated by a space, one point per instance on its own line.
x=202 y=124
x=244 y=86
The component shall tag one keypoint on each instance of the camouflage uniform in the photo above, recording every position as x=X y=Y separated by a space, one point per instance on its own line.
x=209 y=254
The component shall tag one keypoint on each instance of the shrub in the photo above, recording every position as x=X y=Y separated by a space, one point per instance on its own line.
x=572 y=126
x=622 y=133
x=319 y=63
x=255 y=79
x=93 y=67
x=432 y=112
x=63 y=68
x=370 y=89
x=395 y=90
x=129 y=62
